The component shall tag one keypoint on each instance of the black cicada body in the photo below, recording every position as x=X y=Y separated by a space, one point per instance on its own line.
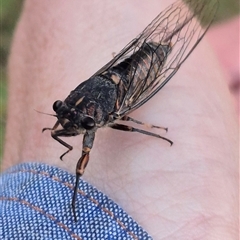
x=132 y=77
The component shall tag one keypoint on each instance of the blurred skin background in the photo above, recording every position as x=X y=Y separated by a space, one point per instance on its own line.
x=223 y=36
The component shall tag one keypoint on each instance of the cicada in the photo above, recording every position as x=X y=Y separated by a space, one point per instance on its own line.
x=131 y=78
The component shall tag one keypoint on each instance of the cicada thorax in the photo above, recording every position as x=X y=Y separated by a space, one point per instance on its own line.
x=139 y=72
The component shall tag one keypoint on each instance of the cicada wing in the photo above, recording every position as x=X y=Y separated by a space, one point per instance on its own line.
x=177 y=31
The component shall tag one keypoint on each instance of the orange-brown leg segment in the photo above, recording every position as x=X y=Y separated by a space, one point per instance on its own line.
x=81 y=165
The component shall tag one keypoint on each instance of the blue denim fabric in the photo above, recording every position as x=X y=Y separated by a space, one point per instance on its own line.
x=36 y=204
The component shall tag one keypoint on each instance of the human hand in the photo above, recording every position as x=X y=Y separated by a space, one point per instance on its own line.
x=185 y=191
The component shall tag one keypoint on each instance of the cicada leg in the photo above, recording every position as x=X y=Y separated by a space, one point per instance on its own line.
x=127 y=118
x=132 y=129
x=81 y=165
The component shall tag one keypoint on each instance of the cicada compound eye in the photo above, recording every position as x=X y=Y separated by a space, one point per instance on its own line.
x=88 y=123
x=57 y=105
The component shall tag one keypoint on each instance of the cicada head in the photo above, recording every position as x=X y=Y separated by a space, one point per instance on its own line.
x=71 y=119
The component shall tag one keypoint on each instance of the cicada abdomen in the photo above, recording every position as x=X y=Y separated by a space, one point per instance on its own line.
x=139 y=73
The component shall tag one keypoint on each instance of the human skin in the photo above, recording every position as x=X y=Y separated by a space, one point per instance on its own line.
x=187 y=191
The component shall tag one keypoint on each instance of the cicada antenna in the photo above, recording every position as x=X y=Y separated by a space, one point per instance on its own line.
x=49 y=114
